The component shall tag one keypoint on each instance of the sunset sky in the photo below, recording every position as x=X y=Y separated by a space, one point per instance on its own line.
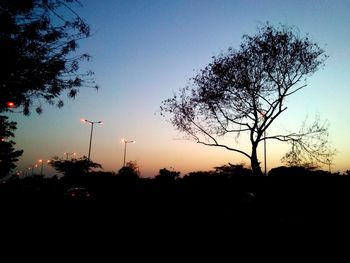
x=144 y=51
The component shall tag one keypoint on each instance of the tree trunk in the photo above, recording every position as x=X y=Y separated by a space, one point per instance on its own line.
x=254 y=162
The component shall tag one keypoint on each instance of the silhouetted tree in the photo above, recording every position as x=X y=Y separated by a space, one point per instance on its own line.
x=200 y=175
x=130 y=170
x=165 y=174
x=290 y=171
x=232 y=170
x=245 y=91
x=38 y=42
x=298 y=171
x=73 y=167
x=8 y=154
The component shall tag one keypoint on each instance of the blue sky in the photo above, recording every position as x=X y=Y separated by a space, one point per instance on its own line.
x=143 y=51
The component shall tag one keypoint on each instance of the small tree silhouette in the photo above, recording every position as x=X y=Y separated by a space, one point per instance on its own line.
x=130 y=170
x=232 y=170
x=165 y=174
x=73 y=167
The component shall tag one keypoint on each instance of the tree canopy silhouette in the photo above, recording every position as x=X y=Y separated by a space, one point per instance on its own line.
x=8 y=155
x=245 y=91
x=73 y=167
x=130 y=170
x=38 y=42
x=230 y=170
x=167 y=175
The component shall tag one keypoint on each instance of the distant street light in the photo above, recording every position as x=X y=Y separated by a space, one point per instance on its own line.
x=67 y=154
x=125 y=142
x=92 y=127
x=34 y=166
x=28 y=169
x=42 y=165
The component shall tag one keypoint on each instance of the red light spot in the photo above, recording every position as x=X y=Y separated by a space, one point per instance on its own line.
x=10 y=104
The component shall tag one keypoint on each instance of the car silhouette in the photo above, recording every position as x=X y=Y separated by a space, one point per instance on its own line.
x=78 y=193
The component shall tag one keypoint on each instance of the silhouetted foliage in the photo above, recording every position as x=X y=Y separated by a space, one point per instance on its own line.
x=38 y=42
x=165 y=174
x=73 y=167
x=198 y=174
x=232 y=170
x=297 y=171
x=310 y=146
x=245 y=90
x=206 y=201
x=130 y=170
x=8 y=154
x=289 y=171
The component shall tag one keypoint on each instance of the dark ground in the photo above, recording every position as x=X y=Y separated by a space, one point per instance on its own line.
x=149 y=212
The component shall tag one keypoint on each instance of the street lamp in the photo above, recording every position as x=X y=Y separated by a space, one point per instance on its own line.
x=28 y=169
x=42 y=165
x=92 y=127
x=263 y=116
x=34 y=166
x=67 y=154
x=125 y=142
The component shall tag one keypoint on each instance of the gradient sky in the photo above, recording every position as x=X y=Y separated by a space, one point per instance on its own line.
x=143 y=51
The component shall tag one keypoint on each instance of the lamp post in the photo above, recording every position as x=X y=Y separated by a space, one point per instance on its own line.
x=262 y=116
x=34 y=166
x=92 y=127
x=265 y=151
x=67 y=154
x=42 y=165
x=28 y=169
x=125 y=142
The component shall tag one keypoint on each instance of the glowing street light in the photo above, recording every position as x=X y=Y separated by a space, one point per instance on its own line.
x=42 y=165
x=28 y=169
x=10 y=104
x=92 y=127
x=125 y=141
x=34 y=166
x=67 y=154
